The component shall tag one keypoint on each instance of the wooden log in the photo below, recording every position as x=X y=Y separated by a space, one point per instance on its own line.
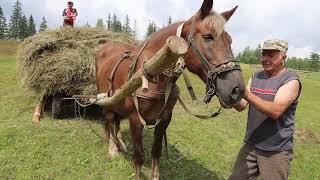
x=166 y=57
x=144 y=86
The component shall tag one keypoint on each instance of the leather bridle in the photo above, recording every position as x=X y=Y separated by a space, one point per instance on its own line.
x=213 y=70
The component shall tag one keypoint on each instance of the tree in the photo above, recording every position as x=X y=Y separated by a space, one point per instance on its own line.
x=258 y=53
x=87 y=25
x=3 y=25
x=315 y=60
x=126 y=28
x=31 y=26
x=109 y=23
x=116 y=24
x=134 y=33
x=169 y=20
x=152 y=27
x=249 y=56
x=100 y=24
x=15 y=22
x=23 y=26
x=43 y=25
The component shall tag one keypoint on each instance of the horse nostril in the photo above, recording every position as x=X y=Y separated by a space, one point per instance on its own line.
x=235 y=93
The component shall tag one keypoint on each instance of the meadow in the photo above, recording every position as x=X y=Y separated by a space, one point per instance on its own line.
x=75 y=148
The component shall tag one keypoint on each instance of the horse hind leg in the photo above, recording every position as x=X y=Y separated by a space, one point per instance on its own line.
x=113 y=134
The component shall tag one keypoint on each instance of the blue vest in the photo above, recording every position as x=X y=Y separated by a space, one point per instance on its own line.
x=263 y=132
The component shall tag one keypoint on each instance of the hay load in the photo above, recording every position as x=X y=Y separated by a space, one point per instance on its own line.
x=62 y=61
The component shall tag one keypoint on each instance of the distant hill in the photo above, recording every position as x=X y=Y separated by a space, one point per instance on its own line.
x=8 y=47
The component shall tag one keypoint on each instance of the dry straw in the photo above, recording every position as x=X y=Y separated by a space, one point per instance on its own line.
x=62 y=61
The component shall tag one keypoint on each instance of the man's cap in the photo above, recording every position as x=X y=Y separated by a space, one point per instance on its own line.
x=276 y=44
x=70 y=2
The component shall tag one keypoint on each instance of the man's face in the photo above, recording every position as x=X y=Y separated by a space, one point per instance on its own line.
x=272 y=60
x=70 y=5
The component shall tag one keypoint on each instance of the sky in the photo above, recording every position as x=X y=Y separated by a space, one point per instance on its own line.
x=296 y=21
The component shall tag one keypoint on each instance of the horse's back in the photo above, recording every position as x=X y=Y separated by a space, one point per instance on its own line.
x=107 y=57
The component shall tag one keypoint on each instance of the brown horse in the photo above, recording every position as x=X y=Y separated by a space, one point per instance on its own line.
x=209 y=56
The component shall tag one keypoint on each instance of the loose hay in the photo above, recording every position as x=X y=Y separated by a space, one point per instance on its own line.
x=62 y=61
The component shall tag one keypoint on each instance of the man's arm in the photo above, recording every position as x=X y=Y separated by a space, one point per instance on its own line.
x=75 y=13
x=274 y=109
x=64 y=14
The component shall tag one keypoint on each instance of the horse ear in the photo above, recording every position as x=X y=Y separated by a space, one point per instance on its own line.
x=206 y=8
x=228 y=14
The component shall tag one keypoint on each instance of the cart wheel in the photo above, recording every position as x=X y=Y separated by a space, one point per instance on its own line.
x=56 y=109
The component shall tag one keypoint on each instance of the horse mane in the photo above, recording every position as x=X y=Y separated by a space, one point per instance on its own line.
x=215 y=22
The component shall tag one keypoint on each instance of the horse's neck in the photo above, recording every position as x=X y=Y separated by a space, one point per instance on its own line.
x=158 y=39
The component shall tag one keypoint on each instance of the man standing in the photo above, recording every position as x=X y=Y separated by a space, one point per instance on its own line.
x=69 y=15
x=272 y=96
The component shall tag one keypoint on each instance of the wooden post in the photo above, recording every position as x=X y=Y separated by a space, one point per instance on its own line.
x=166 y=57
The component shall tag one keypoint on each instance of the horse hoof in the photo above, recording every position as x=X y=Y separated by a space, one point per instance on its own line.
x=113 y=153
x=155 y=178
x=35 y=119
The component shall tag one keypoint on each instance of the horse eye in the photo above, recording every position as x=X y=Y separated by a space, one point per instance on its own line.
x=208 y=37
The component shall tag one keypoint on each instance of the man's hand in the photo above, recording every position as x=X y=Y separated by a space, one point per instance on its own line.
x=242 y=105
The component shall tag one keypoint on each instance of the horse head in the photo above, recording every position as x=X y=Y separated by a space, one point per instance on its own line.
x=210 y=55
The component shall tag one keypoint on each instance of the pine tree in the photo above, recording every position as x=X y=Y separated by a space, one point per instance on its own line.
x=43 y=25
x=100 y=24
x=87 y=25
x=109 y=23
x=126 y=28
x=152 y=27
x=3 y=25
x=169 y=20
x=14 y=25
x=116 y=24
x=31 y=26
x=23 y=26
x=134 y=33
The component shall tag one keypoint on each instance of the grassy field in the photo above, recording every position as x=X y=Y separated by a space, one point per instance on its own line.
x=76 y=148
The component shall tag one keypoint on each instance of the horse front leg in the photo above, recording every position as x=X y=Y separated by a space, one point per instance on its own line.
x=113 y=134
x=159 y=133
x=136 y=129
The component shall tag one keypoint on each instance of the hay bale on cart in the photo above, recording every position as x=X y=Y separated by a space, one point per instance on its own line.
x=60 y=63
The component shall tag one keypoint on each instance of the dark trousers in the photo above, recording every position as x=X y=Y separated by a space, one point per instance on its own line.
x=252 y=162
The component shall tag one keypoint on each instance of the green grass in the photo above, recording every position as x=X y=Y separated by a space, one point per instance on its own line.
x=8 y=47
x=198 y=149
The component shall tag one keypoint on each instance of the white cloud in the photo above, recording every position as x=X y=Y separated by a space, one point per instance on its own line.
x=300 y=51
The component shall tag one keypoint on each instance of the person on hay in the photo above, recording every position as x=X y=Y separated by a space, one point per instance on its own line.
x=272 y=95
x=69 y=15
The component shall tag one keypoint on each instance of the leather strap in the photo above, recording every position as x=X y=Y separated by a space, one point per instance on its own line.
x=110 y=79
x=198 y=115
x=189 y=86
x=158 y=120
